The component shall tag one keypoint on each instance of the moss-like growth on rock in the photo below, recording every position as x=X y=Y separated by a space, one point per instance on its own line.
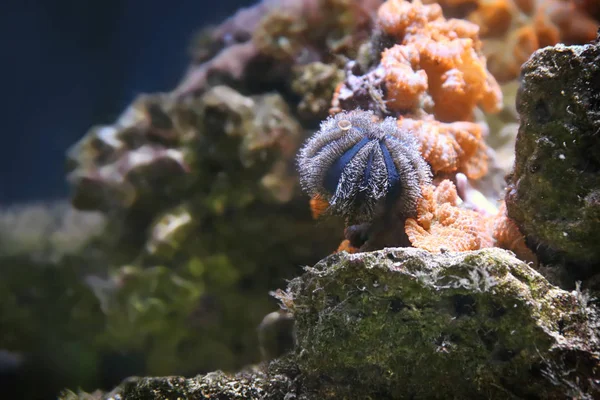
x=554 y=193
x=273 y=382
x=403 y=323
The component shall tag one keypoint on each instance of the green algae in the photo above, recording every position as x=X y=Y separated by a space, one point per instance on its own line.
x=407 y=324
x=554 y=188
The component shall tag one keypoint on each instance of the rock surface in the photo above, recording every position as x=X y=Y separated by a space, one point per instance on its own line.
x=554 y=192
x=404 y=323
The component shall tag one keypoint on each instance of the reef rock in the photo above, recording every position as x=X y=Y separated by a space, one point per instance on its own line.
x=404 y=323
x=272 y=383
x=554 y=192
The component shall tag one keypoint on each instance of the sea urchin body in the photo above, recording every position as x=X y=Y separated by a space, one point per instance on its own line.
x=360 y=165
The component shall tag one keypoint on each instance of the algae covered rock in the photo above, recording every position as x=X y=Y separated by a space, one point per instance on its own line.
x=404 y=323
x=408 y=324
x=192 y=191
x=48 y=317
x=554 y=192
x=276 y=382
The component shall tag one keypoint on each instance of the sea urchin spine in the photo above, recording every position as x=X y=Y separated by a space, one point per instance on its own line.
x=361 y=166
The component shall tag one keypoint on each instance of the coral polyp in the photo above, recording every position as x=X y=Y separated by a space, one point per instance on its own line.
x=361 y=165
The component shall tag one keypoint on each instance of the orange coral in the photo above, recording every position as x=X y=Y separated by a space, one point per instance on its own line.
x=450 y=147
x=318 y=206
x=512 y=30
x=438 y=55
x=442 y=225
x=508 y=236
x=405 y=84
x=347 y=247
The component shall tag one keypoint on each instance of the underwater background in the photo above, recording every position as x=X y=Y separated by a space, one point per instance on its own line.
x=70 y=65
x=300 y=199
x=75 y=64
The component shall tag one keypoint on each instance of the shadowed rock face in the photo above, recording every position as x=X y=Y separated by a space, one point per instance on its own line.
x=404 y=323
x=554 y=193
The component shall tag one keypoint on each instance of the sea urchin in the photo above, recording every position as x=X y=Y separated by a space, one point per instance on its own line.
x=362 y=166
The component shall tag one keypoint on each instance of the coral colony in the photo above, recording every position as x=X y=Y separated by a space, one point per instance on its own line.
x=403 y=107
x=431 y=78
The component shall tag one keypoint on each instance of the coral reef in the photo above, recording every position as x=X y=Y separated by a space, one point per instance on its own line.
x=442 y=226
x=260 y=46
x=553 y=196
x=202 y=214
x=512 y=30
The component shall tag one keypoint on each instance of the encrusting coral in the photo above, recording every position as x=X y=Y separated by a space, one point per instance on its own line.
x=507 y=235
x=442 y=226
x=512 y=30
x=450 y=147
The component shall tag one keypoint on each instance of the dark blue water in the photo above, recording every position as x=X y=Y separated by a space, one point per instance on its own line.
x=69 y=64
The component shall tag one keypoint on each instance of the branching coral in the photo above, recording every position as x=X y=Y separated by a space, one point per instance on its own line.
x=513 y=29
x=438 y=56
x=441 y=225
